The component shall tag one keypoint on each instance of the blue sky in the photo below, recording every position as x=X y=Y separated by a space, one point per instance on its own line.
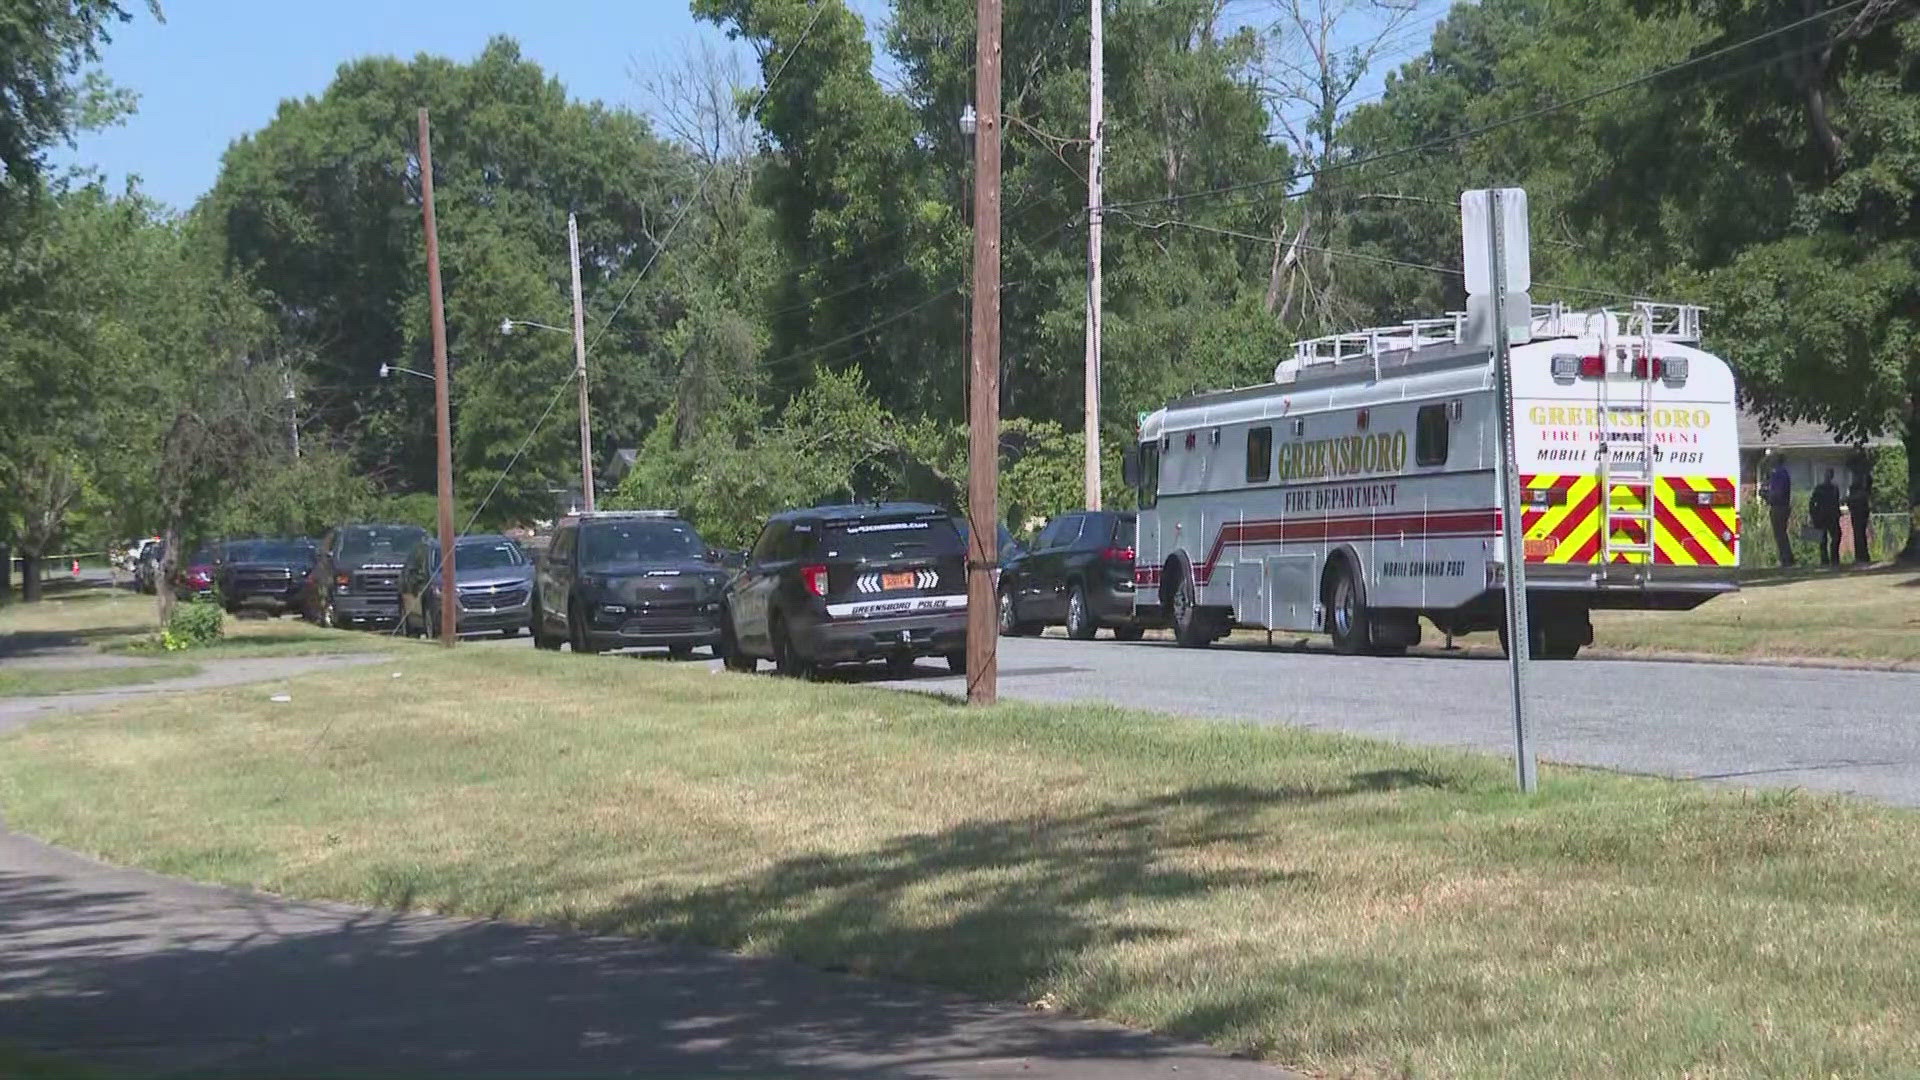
x=217 y=69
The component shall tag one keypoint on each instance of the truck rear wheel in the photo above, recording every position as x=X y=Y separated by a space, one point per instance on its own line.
x=1190 y=627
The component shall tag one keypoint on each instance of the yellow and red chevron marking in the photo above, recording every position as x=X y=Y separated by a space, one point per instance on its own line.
x=1568 y=529
x=1688 y=534
x=1627 y=521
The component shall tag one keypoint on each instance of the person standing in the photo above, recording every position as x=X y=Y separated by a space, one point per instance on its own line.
x=1779 y=496
x=1860 y=508
x=1823 y=510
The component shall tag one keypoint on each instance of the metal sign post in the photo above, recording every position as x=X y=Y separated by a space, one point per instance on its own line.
x=1519 y=638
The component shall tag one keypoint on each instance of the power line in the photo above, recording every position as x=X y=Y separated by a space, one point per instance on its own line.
x=1484 y=129
x=820 y=7
x=1361 y=256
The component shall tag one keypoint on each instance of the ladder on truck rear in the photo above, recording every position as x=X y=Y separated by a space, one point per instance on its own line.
x=1626 y=457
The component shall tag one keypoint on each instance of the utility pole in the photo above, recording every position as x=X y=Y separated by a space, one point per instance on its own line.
x=449 y=612
x=293 y=414
x=580 y=367
x=1096 y=161
x=983 y=444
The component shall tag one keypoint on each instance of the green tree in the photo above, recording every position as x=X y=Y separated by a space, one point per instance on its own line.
x=44 y=98
x=321 y=211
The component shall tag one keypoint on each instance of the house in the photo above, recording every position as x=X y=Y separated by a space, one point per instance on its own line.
x=1809 y=449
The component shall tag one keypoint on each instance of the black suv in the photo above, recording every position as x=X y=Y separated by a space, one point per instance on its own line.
x=844 y=584
x=272 y=572
x=356 y=575
x=618 y=579
x=1079 y=573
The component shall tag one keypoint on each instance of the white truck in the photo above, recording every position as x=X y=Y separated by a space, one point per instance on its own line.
x=1360 y=490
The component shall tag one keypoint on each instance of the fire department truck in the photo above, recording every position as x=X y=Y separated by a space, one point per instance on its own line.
x=1360 y=490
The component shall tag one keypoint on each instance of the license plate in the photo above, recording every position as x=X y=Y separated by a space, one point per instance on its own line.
x=898 y=581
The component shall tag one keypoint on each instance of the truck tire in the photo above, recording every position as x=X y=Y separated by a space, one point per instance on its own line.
x=1190 y=627
x=1348 y=621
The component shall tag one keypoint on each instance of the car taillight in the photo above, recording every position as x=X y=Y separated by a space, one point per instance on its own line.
x=815 y=578
x=1118 y=554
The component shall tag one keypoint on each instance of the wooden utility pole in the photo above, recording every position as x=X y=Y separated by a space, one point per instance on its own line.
x=580 y=368
x=449 y=609
x=983 y=465
x=1096 y=159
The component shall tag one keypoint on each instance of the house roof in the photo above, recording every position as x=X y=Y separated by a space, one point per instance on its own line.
x=1796 y=434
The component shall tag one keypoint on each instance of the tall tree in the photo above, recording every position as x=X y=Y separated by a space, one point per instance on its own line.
x=321 y=210
x=45 y=45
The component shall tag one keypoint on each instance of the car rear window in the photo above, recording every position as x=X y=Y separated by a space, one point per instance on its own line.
x=382 y=540
x=1124 y=531
x=885 y=538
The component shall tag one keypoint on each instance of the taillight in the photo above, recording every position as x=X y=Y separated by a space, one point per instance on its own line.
x=1713 y=498
x=1593 y=367
x=343 y=579
x=1117 y=555
x=815 y=578
x=1646 y=367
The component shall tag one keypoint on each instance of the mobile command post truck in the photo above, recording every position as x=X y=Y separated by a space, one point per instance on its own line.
x=1360 y=490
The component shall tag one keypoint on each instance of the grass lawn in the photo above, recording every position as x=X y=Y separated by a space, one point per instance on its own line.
x=1344 y=907
x=1853 y=614
x=28 y=681
x=119 y=621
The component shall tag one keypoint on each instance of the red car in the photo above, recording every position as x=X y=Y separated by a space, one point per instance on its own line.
x=195 y=575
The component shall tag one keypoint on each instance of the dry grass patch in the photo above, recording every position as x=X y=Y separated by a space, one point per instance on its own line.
x=1341 y=906
x=32 y=681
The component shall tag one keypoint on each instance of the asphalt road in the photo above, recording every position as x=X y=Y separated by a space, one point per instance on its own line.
x=1837 y=730
x=1749 y=724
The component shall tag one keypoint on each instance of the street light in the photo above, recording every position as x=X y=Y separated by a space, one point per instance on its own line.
x=507 y=325
x=387 y=370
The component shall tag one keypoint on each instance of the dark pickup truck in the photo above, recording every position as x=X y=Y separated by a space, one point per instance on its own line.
x=356 y=575
x=264 y=573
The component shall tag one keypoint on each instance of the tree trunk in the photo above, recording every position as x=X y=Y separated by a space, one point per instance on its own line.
x=163 y=576
x=30 y=575
x=1911 y=552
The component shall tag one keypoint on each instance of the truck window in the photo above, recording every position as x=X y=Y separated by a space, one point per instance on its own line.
x=1259 y=455
x=1149 y=474
x=1430 y=435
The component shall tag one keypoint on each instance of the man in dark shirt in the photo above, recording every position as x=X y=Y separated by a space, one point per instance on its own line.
x=1779 y=497
x=1823 y=510
x=1860 y=508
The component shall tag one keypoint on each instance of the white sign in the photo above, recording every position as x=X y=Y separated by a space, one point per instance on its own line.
x=1474 y=226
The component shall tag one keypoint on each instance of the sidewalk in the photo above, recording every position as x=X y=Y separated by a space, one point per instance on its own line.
x=142 y=974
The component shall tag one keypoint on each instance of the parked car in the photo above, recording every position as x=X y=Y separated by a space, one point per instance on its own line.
x=1077 y=574
x=1010 y=548
x=356 y=575
x=146 y=569
x=493 y=586
x=621 y=579
x=197 y=574
x=846 y=584
x=263 y=573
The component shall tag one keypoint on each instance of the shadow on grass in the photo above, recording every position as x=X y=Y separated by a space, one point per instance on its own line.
x=166 y=979
x=21 y=643
x=993 y=907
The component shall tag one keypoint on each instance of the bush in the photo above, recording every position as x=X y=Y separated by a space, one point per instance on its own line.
x=192 y=625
